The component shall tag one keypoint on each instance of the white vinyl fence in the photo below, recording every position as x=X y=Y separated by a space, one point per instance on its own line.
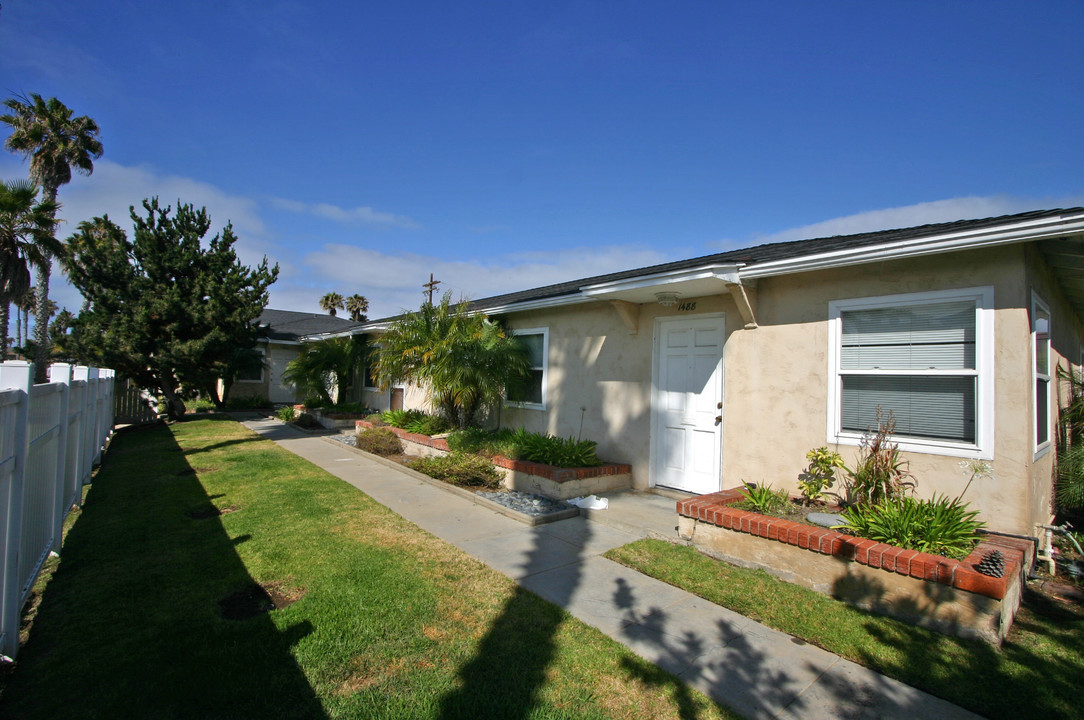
x=51 y=436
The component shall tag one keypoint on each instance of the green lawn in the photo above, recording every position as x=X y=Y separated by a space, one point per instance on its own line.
x=389 y=621
x=1037 y=673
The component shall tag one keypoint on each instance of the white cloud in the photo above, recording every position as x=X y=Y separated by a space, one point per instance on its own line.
x=362 y=215
x=393 y=283
x=937 y=211
x=112 y=188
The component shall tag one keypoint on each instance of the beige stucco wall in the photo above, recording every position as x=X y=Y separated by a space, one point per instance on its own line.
x=776 y=377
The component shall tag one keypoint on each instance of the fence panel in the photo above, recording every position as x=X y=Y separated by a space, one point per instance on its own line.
x=50 y=436
x=40 y=487
x=133 y=405
x=12 y=455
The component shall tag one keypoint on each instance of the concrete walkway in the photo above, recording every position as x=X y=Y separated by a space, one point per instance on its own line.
x=756 y=671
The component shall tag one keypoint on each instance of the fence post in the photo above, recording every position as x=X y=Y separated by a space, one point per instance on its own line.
x=61 y=373
x=19 y=375
x=86 y=447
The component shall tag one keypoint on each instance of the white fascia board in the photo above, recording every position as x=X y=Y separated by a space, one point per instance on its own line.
x=573 y=299
x=1028 y=231
x=727 y=273
x=374 y=328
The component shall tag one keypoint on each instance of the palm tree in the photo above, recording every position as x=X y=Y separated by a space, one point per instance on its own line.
x=26 y=236
x=357 y=306
x=465 y=361
x=25 y=306
x=331 y=302
x=56 y=143
x=325 y=365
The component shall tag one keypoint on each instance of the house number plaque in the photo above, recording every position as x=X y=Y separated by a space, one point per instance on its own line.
x=687 y=306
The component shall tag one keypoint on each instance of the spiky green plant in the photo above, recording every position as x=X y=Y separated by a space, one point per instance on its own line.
x=940 y=525
x=325 y=364
x=762 y=499
x=463 y=360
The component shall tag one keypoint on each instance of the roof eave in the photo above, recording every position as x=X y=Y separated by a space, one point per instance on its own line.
x=1027 y=231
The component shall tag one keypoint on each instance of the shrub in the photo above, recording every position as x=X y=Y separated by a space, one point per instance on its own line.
x=820 y=474
x=416 y=421
x=762 y=499
x=379 y=441
x=560 y=452
x=248 y=402
x=485 y=442
x=200 y=405
x=459 y=468
x=523 y=445
x=375 y=419
x=880 y=473
x=940 y=526
x=349 y=408
x=286 y=413
x=304 y=420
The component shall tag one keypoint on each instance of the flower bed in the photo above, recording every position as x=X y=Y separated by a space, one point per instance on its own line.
x=930 y=590
x=530 y=477
x=330 y=419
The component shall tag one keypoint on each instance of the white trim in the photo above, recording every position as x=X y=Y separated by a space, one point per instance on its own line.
x=1041 y=448
x=983 y=297
x=728 y=273
x=653 y=434
x=1027 y=231
x=545 y=333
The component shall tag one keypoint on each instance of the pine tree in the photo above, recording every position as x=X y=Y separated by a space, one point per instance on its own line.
x=162 y=309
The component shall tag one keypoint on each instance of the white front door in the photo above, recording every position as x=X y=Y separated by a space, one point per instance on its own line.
x=686 y=407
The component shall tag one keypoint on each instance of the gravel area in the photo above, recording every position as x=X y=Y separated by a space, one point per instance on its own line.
x=526 y=503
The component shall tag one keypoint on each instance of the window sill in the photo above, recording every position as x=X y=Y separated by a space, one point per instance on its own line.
x=524 y=405
x=927 y=447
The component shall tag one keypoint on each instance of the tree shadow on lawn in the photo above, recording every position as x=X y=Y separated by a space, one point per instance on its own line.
x=1038 y=671
x=505 y=678
x=130 y=623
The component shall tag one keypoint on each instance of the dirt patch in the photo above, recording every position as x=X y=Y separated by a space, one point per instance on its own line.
x=208 y=511
x=253 y=600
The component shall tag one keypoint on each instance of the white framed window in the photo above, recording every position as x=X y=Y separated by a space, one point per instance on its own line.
x=533 y=394
x=926 y=358
x=1040 y=355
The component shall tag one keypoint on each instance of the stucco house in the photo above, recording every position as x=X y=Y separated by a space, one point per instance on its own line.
x=726 y=368
x=283 y=331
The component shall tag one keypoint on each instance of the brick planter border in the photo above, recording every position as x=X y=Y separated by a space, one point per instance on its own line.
x=609 y=475
x=712 y=516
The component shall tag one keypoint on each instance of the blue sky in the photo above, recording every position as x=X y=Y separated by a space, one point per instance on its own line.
x=508 y=145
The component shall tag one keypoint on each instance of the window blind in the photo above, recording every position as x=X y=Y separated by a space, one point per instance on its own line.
x=935 y=336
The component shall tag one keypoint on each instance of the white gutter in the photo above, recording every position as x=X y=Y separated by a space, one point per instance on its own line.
x=1028 y=231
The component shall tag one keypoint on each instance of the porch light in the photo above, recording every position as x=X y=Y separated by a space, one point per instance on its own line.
x=667 y=299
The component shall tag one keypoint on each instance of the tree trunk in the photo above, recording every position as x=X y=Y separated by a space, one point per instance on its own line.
x=42 y=347
x=175 y=408
x=4 y=313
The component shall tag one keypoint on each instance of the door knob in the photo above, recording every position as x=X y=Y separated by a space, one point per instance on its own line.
x=718 y=418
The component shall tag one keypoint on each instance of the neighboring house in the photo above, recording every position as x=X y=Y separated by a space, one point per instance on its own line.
x=280 y=342
x=709 y=372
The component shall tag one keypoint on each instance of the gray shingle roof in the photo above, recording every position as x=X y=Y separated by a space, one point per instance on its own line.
x=767 y=253
x=290 y=325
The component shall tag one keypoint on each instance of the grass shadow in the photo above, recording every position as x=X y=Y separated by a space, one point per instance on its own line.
x=129 y=624
x=505 y=677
